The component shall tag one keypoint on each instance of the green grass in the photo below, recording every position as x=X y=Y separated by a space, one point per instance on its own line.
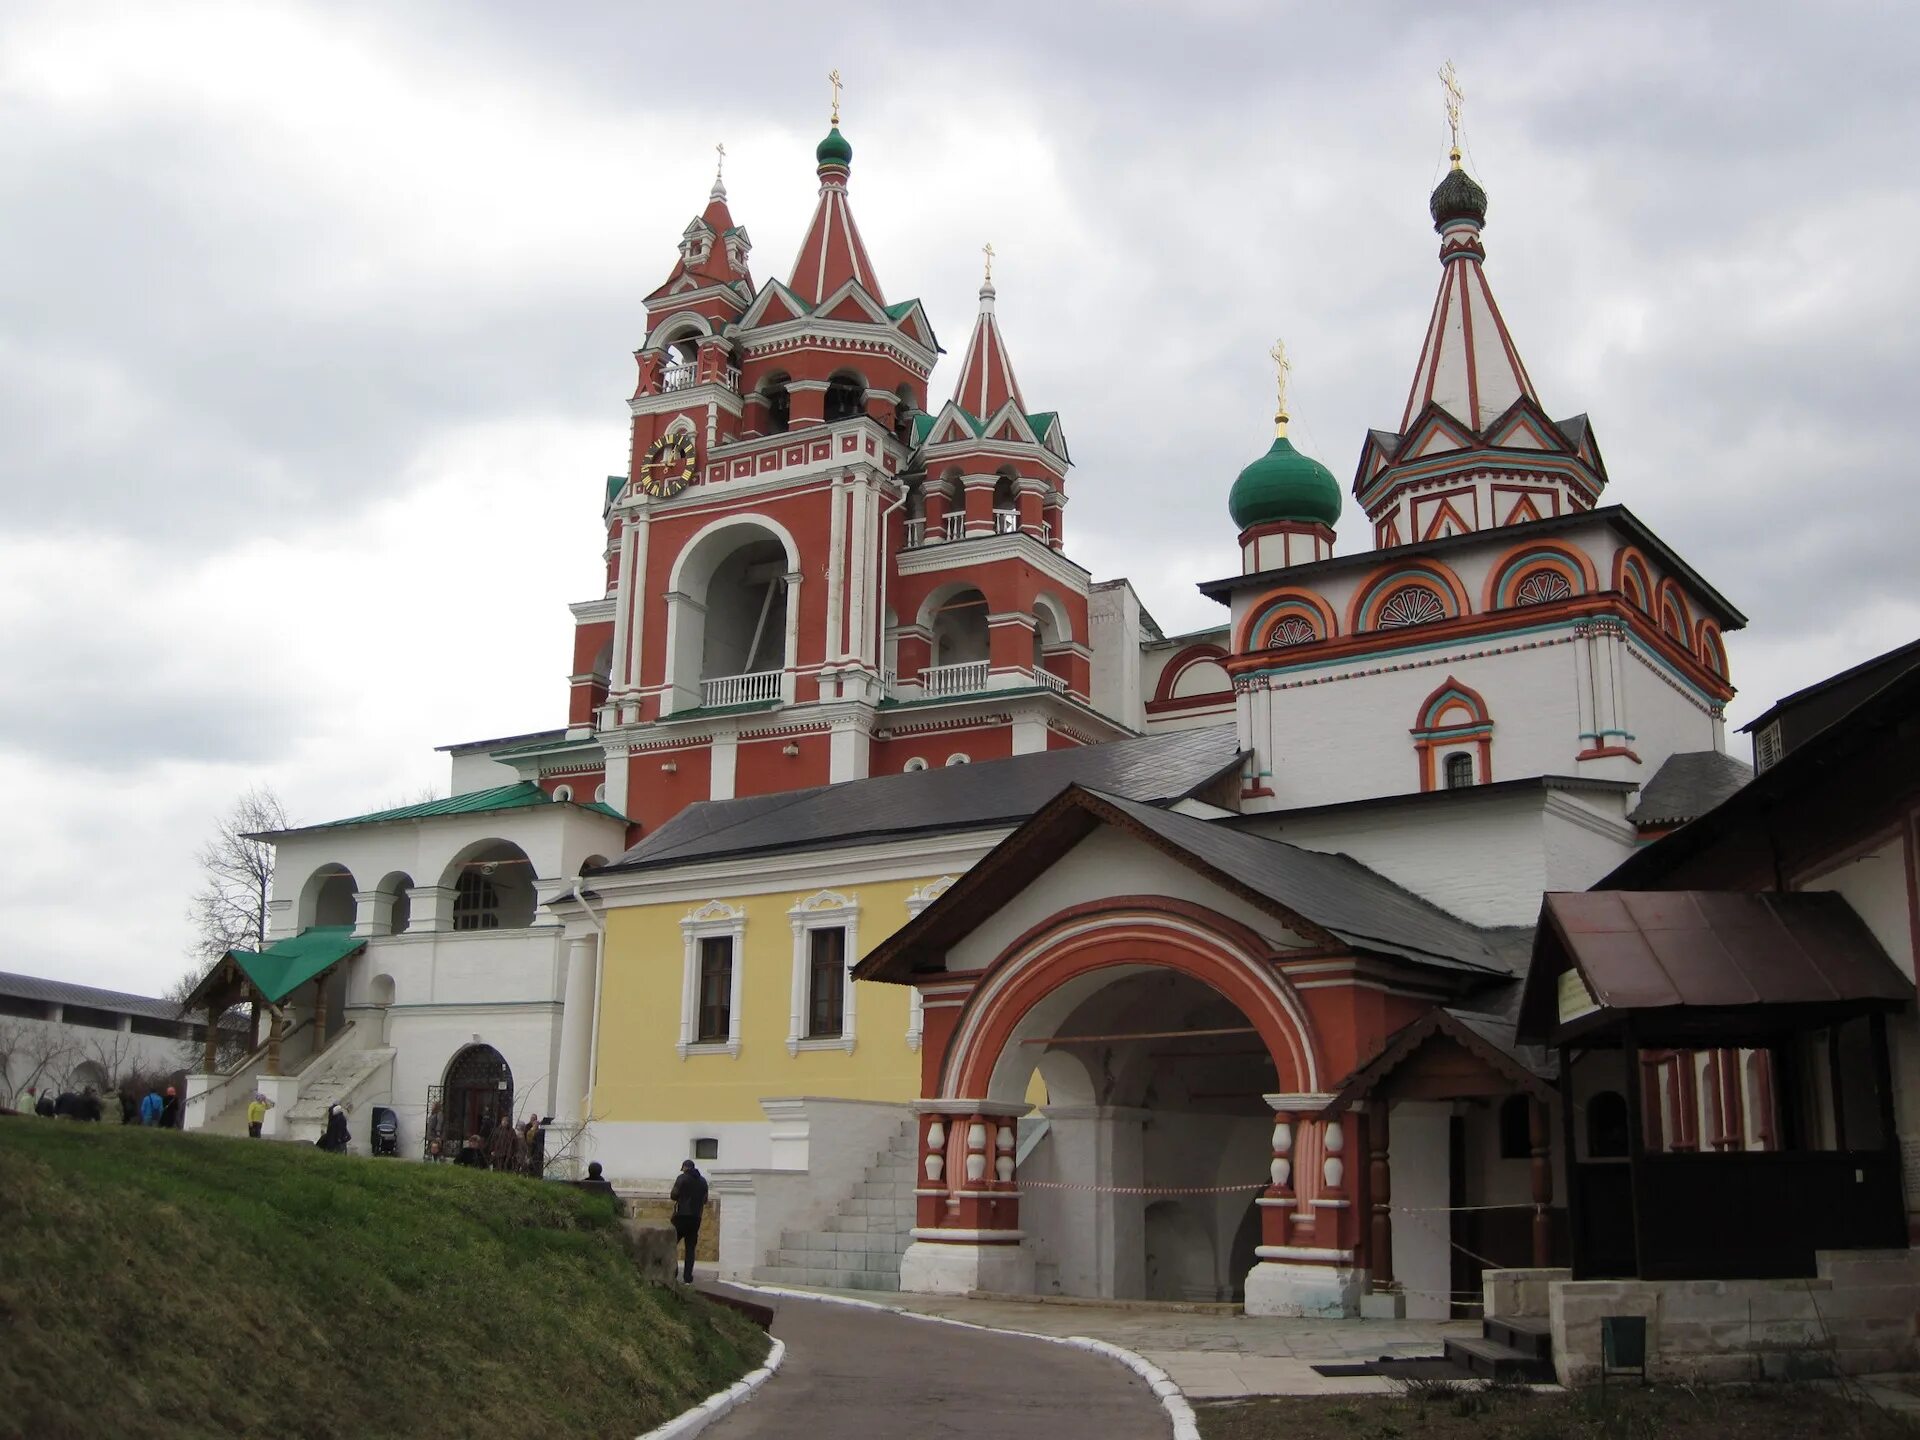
x=166 y=1285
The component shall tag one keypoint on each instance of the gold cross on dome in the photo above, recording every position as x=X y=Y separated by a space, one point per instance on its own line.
x=987 y=250
x=1282 y=368
x=834 y=77
x=1450 y=83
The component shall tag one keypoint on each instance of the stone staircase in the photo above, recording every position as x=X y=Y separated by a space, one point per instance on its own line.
x=336 y=1075
x=858 y=1247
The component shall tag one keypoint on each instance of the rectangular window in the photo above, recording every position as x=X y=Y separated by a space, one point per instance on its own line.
x=706 y=1147
x=716 y=989
x=826 y=984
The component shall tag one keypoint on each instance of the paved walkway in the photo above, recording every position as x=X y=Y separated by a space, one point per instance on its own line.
x=1211 y=1354
x=866 y=1373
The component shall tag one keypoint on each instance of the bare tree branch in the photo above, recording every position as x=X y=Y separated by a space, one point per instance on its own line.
x=229 y=911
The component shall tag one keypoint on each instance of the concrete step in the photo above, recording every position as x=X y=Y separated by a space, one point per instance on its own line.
x=1490 y=1360
x=827 y=1279
x=1531 y=1335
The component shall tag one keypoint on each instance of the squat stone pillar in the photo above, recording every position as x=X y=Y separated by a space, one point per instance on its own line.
x=210 y=1056
x=276 y=1030
x=1307 y=1263
x=979 y=502
x=1542 y=1177
x=966 y=1202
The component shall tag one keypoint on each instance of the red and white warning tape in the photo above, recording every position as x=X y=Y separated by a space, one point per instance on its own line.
x=1026 y=1184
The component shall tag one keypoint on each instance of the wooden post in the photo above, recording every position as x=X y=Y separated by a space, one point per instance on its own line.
x=276 y=1027
x=320 y=1014
x=253 y=1027
x=1542 y=1184
x=1380 y=1184
x=211 y=1053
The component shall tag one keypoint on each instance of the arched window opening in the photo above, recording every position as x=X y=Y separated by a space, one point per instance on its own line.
x=328 y=898
x=958 y=759
x=1671 y=622
x=1006 y=505
x=960 y=629
x=846 y=397
x=475 y=1095
x=1607 y=1126
x=680 y=361
x=779 y=404
x=399 y=887
x=1459 y=770
x=493 y=888
x=746 y=612
x=916 y=762
x=380 y=990
x=1542 y=587
x=1411 y=605
x=562 y=794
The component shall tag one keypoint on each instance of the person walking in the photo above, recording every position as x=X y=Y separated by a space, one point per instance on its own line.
x=257 y=1114
x=533 y=1147
x=150 y=1107
x=170 y=1110
x=503 y=1147
x=689 y=1195
x=436 y=1133
x=90 y=1107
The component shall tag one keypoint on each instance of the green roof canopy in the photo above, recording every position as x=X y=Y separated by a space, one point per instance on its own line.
x=286 y=965
x=520 y=795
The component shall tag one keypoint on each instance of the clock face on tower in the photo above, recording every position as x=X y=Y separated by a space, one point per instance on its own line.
x=669 y=465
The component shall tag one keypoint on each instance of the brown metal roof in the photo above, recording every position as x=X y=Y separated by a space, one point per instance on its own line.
x=1706 y=949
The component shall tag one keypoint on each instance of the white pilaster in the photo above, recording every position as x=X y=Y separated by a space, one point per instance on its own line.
x=576 y=1030
x=726 y=751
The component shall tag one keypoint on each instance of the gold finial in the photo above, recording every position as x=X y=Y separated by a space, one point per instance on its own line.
x=987 y=250
x=1450 y=83
x=1282 y=367
x=834 y=77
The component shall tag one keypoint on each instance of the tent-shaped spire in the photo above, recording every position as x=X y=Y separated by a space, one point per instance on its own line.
x=833 y=252
x=986 y=374
x=1468 y=364
x=713 y=249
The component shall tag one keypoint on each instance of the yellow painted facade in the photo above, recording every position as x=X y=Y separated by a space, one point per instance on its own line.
x=641 y=1075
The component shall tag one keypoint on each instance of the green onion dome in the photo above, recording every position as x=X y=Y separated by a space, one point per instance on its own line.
x=834 y=150
x=1283 y=484
x=1457 y=197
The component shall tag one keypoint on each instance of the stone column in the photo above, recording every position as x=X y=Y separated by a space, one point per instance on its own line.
x=1307 y=1261
x=1054 y=515
x=276 y=1029
x=430 y=907
x=1380 y=1188
x=1031 y=498
x=211 y=1052
x=934 y=532
x=319 y=1013
x=576 y=1031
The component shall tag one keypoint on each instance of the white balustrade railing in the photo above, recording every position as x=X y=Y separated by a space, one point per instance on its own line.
x=678 y=376
x=1048 y=679
x=954 y=524
x=916 y=533
x=1006 y=522
x=963 y=679
x=741 y=689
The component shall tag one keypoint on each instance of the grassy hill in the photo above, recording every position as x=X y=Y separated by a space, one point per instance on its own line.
x=167 y=1285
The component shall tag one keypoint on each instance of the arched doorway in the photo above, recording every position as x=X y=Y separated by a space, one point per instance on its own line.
x=476 y=1092
x=1156 y=1138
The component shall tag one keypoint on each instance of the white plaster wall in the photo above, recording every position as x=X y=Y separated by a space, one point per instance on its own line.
x=426 y=1038
x=1103 y=865
x=1664 y=720
x=80 y=1044
x=1584 y=835
x=1113 y=634
x=1875 y=884
x=1417 y=1153
x=651 y=1150
x=1347 y=738
x=478 y=771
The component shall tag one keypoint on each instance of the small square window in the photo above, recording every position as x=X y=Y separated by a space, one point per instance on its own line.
x=706 y=1147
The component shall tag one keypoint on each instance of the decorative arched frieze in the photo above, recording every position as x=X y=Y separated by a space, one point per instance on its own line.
x=1271 y=612
x=1633 y=579
x=1711 y=647
x=1178 y=676
x=1676 y=616
x=709 y=973
x=1511 y=573
x=826 y=937
x=1403 y=594
x=1452 y=721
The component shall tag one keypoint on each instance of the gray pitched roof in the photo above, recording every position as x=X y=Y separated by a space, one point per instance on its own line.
x=1336 y=892
x=954 y=798
x=1688 y=785
x=63 y=992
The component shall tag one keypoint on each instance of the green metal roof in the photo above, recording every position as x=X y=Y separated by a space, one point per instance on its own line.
x=899 y=312
x=615 y=484
x=520 y=795
x=286 y=965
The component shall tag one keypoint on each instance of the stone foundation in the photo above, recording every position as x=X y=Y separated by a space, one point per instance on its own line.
x=935 y=1268
x=1516 y=1294
x=1320 y=1292
x=1855 y=1316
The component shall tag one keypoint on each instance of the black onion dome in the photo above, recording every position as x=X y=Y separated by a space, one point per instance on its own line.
x=1458 y=198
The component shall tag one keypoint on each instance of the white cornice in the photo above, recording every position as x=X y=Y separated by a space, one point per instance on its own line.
x=985 y=549
x=690 y=397
x=589 y=611
x=843 y=867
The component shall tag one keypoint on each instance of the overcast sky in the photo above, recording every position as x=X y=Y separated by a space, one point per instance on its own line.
x=316 y=326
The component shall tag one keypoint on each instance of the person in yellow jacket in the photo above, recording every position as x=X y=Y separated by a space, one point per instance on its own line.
x=257 y=1114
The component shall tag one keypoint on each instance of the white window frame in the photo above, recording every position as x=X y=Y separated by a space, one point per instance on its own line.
x=825 y=910
x=919 y=900
x=715 y=918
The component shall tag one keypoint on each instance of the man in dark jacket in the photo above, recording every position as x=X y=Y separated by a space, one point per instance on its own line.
x=170 y=1110
x=689 y=1196
x=44 y=1105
